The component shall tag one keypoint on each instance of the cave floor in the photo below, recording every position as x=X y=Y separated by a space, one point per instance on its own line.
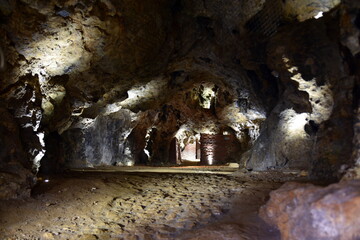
x=94 y=205
x=216 y=169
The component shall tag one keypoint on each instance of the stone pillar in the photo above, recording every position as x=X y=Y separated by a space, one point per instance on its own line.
x=198 y=149
x=174 y=156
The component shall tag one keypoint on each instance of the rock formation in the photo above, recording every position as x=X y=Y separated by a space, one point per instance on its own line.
x=90 y=83
x=326 y=213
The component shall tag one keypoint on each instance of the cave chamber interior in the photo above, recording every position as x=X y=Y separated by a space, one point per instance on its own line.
x=179 y=119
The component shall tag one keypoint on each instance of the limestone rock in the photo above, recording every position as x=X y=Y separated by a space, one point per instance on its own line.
x=306 y=59
x=24 y=101
x=305 y=211
x=99 y=141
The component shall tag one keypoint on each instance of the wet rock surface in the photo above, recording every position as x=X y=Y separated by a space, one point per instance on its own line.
x=305 y=211
x=128 y=206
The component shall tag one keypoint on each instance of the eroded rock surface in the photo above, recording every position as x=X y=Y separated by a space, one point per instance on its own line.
x=313 y=118
x=99 y=141
x=305 y=211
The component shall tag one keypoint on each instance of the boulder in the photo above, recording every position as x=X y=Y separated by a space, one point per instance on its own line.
x=305 y=211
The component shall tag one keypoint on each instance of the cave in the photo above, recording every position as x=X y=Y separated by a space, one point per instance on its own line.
x=180 y=119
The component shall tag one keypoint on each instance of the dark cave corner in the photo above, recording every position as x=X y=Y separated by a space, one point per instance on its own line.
x=268 y=88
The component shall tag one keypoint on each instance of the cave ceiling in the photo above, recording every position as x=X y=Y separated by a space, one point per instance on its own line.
x=164 y=64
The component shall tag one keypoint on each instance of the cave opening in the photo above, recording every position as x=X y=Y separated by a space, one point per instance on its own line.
x=179 y=119
x=191 y=151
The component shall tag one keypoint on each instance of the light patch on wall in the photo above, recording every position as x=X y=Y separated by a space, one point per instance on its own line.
x=111 y=108
x=319 y=15
x=320 y=97
x=210 y=159
x=147 y=153
x=306 y=9
x=181 y=135
x=128 y=161
x=207 y=95
x=53 y=52
x=254 y=130
x=185 y=135
x=38 y=153
x=41 y=138
x=148 y=92
x=147 y=139
x=293 y=123
x=56 y=51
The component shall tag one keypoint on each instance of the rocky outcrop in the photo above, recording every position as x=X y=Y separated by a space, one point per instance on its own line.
x=21 y=137
x=23 y=100
x=99 y=141
x=308 y=127
x=15 y=177
x=305 y=211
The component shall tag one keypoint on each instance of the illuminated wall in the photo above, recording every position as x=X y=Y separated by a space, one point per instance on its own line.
x=218 y=148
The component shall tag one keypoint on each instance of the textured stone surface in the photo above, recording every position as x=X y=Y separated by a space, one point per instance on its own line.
x=128 y=206
x=219 y=149
x=306 y=9
x=24 y=102
x=15 y=177
x=305 y=211
x=313 y=117
x=99 y=141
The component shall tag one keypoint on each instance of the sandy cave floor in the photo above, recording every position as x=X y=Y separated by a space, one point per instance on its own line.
x=93 y=205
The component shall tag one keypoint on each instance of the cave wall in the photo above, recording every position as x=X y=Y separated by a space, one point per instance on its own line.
x=217 y=149
x=311 y=126
x=101 y=75
x=350 y=33
x=99 y=141
x=16 y=179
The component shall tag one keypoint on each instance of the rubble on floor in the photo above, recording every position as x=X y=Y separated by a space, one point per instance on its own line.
x=127 y=206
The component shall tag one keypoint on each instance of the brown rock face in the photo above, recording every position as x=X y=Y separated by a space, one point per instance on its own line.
x=305 y=211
